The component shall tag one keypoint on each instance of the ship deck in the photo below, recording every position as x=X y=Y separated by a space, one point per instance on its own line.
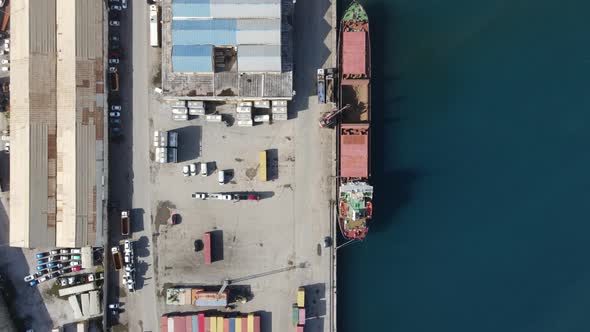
x=358 y=98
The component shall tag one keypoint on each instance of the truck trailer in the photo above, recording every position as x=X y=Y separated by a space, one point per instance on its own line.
x=125 y=223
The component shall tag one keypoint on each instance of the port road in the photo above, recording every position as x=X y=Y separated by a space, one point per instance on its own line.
x=129 y=169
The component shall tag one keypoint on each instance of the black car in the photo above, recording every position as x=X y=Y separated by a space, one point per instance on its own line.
x=116 y=131
x=115 y=121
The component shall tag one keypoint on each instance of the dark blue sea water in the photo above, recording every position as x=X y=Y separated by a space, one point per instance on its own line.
x=482 y=170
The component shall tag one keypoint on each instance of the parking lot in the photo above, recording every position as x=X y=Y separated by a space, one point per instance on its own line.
x=264 y=243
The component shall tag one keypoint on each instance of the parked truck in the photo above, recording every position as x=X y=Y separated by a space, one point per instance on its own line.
x=117 y=259
x=125 y=222
x=154 y=26
x=114 y=81
x=330 y=85
x=321 y=87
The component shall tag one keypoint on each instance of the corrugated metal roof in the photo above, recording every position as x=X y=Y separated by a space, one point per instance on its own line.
x=259 y=58
x=246 y=10
x=204 y=32
x=354 y=150
x=191 y=8
x=226 y=32
x=186 y=9
x=354 y=53
x=192 y=58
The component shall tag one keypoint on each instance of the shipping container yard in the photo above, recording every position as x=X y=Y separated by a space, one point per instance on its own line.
x=205 y=322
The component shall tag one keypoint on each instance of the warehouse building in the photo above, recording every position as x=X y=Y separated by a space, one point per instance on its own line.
x=57 y=124
x=227 y=49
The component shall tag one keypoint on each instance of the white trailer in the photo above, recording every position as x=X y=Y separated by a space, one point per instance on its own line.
x=154 y=26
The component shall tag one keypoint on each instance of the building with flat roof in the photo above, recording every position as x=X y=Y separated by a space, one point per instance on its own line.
x=57 y=123
x=227 y=49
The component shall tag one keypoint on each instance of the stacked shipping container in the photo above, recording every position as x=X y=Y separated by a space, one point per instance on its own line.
x=200 y=323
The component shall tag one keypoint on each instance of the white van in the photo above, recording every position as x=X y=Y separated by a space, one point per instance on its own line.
x=221 y=177
x=203 y=168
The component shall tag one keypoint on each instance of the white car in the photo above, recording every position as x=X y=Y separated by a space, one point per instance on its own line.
x=186 y=170
x=124 y=4
x=127 y=259
x=199 y=195
x=76 y=251
x=64 y=251
x=115 y=107
x=127 y=246
x=113 y=61
x=117 y=8
x=112 y=69
x=29 y=278
x=193 y=169
x=114 y=23
x=74 y=263
x=42 y=279
x=54 y=252
x=90 y=277
x=114 y=114
x=63 y=282
x=5 y=61
x=4 y=68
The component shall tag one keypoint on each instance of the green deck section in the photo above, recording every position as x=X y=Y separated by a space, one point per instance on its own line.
x=356 y=203
x=355 y=12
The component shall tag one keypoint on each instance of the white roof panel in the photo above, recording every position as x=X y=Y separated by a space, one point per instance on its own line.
x=246 y=10
x=259 y=58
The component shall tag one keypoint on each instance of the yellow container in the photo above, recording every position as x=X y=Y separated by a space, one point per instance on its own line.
x=213 y=324
x=250 y=322
x=239 y=324
x=262 y=168
x=301 y=297
x=219 y=324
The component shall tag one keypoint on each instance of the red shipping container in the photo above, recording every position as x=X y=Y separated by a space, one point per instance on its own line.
x=207 y=247
x=188 y=323
x=225 y=325
x=301 y=316
x=164 y=324
x=299 y=328
x=256 y=323
x=207 y=324
x=244 y=324
x=201 y=322
x=179 y=325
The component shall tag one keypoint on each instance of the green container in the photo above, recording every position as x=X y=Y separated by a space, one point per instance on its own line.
x=295 y=315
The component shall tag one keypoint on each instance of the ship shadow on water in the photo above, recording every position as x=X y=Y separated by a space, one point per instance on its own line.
x=392 y=186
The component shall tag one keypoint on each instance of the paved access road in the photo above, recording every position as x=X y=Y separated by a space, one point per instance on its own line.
x=129 y=169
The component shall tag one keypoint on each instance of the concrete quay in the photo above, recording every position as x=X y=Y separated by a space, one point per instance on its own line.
x=272 y=246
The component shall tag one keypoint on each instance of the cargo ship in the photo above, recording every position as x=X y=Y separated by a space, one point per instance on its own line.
x=355 y=192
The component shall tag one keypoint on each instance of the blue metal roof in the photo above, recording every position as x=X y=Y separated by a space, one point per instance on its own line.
x=204 y=32
x=192 y=58
x=191 y=8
